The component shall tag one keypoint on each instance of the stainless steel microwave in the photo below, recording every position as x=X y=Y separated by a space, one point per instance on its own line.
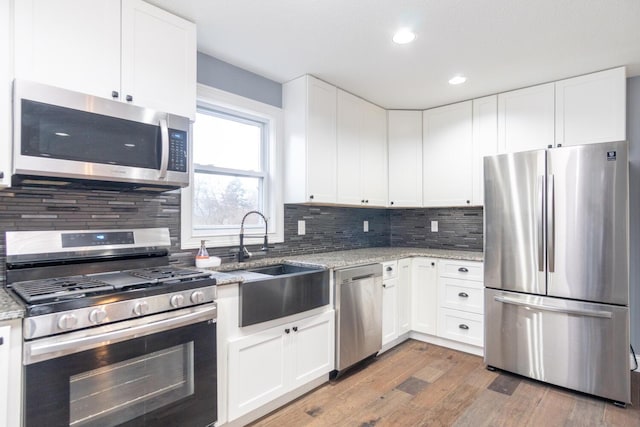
x=66 y=138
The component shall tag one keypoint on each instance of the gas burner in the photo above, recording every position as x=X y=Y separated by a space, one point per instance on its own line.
x=58 y=288
x=168 y=273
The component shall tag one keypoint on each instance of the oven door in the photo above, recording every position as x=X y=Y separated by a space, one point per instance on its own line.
x=153 y=371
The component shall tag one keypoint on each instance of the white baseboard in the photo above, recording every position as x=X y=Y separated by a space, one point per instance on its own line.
x=455 y=345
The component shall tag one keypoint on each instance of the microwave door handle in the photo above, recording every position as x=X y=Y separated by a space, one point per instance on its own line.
x=164 y=138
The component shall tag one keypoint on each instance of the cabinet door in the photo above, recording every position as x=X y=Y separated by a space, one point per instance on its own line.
x=350 y=116
x=405 y=158
x=257 y=370
x=4 y=374
x=74 y=44
x=312 y=349
x=389 y=311
x=424 y=294
x=6 y=67
x=446 y=151
x=321 y=141
x=404 y=296
x=485 y=141
x=373 y=155
x=158 y=59
x=591 y=108
x=526 y=119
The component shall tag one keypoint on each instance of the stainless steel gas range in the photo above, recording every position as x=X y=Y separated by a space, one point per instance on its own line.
x=113 y=335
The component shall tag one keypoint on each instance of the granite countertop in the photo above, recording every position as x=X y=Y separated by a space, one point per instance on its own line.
x=9 y=308
x=339 y=259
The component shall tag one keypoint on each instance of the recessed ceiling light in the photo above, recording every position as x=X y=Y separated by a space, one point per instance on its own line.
x=456 y=80
x=404 y=36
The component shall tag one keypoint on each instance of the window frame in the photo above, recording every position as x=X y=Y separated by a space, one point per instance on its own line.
x=228 y=103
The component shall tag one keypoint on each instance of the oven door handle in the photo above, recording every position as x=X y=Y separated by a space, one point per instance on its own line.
x=61 y=345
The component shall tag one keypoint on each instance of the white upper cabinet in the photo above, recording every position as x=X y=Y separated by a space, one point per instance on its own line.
x=405 y=158
x=526 y=119
x=310 y=141
x=485 y=141
x=5 y=92
x=127 y=50
x=362 y=152
x=349 y=125
x=373 y=156
x=591 y=108
x=446 y=153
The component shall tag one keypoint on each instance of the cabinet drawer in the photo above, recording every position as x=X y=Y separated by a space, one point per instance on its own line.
x=389 y=270
x=462 y=295
x=461 y=326
x=461 y=270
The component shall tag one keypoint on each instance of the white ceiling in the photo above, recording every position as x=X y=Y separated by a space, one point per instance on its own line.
x=498 y=44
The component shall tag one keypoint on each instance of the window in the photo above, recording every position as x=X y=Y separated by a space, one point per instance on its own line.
x=234 y=164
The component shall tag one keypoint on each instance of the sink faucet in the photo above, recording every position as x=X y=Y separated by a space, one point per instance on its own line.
x=243 y=253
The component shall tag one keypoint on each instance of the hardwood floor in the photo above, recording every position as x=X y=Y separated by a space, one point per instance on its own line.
x=419 y=384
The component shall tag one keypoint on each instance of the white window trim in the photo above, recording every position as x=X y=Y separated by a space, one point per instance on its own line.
x=216 y=98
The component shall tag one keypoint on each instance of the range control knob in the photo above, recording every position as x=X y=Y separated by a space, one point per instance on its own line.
x=177 y=301
x=141 y=308
x=67 y=321
x=97 y=315
x=197 y=297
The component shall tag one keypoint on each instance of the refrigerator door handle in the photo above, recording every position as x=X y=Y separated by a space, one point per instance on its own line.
x=591 y=313
x=540 y=222
x=551 y=235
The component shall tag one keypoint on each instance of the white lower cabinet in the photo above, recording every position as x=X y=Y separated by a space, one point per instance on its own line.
x=424 y=294
x=389 y=302
x=461 y=301
x=404 y=295
x=265 y=365
x=10 y=373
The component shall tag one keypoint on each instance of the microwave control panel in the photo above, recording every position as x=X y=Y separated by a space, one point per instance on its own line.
x=177 y=150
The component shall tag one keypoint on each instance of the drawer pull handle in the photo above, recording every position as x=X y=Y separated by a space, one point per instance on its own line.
x=463 y=326
x=463 y=295
x=463 y=270
x=287 y=330
x=295 y=329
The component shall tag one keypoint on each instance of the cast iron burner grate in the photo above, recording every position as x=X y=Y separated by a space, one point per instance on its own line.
x=64 y=287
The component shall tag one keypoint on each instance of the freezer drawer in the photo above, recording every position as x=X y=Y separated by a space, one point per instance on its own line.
x=581 y=346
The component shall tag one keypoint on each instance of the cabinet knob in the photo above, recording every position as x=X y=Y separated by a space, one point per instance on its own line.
x=463 y=326
x=384 y=285
x=362 y=201
x=1 y=175
x=468 y=202
x=366 y=201
x=433 y=264
x=129 y=98
x=311 y=197
x=295 y=329
x=114 y=94
x=1 y=340
x=286 y=331
x=463 y=270
x=463 y=295
x=391 y=203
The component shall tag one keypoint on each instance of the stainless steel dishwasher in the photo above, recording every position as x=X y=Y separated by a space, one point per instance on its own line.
x=358 y=303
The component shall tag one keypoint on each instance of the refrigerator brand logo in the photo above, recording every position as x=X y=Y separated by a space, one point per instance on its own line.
x=611 y=155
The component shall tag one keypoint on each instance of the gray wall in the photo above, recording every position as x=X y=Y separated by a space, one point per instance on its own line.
x=633 y=135
x=222 y=75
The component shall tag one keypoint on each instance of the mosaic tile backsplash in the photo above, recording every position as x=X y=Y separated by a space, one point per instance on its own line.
x=328 y=228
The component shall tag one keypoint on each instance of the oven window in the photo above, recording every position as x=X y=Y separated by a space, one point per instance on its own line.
x=120 y=392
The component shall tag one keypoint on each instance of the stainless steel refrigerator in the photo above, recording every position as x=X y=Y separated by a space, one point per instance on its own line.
x=556 y=267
